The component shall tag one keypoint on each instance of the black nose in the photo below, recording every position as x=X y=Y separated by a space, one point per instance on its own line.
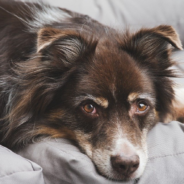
x=125 y=165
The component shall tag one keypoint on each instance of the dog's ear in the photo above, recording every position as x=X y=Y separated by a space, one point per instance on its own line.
x=152 y=43
x=45 y=74
x=63 y=45
x=151 y=48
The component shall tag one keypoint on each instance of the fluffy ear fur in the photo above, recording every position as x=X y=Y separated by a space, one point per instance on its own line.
x=152 y=43
x=64 y=46
x=42 y=76
x=46 y=36
x=150 y=48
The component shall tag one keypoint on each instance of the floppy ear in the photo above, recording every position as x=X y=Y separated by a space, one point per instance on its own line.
x=153 y=43
x=65 y=46
x=151 y=49
x=43 y=76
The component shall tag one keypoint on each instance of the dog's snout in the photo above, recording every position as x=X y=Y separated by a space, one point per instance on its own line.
x=125 y=165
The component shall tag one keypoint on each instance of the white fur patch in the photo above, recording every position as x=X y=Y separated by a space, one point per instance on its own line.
x=102 y=157
x=178 y=103
x=179 y=94
x=143 y=156
x=41 y=17
x=48 y=15
x=141 y=152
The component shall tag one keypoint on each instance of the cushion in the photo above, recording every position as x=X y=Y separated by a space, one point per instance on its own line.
x=130 y=13
x=62 y=162
x=15 y=169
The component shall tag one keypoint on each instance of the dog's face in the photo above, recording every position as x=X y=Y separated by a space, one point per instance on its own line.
x=106 y=93
x=113 y=106
x=111 y=100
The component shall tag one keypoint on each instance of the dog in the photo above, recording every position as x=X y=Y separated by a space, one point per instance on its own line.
x=66 y=75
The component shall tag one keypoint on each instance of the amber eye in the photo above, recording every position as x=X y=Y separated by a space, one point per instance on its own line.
x=89 y=108
x=142 y=106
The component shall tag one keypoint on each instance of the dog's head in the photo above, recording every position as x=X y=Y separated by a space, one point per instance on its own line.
x=105 y=92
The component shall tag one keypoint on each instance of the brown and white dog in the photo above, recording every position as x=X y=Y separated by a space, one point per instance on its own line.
x=63 y=74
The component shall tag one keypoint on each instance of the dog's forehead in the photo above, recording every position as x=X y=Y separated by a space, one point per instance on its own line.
x=114 y=71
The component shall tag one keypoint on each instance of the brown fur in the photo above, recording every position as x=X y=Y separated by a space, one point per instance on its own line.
x=47 y=76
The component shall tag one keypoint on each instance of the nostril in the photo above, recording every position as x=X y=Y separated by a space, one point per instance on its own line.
x=125 y=164
x=134 y=168
x=122 y=167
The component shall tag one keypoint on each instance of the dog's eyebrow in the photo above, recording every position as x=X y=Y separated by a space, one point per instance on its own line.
x=98 y=100
x=133 y=96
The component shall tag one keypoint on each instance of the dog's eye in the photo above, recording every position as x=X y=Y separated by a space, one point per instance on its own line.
x=89 y=108
x=142 y=107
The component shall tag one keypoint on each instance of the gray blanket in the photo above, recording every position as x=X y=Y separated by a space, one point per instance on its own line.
x=16 y=170
x=63 y=163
